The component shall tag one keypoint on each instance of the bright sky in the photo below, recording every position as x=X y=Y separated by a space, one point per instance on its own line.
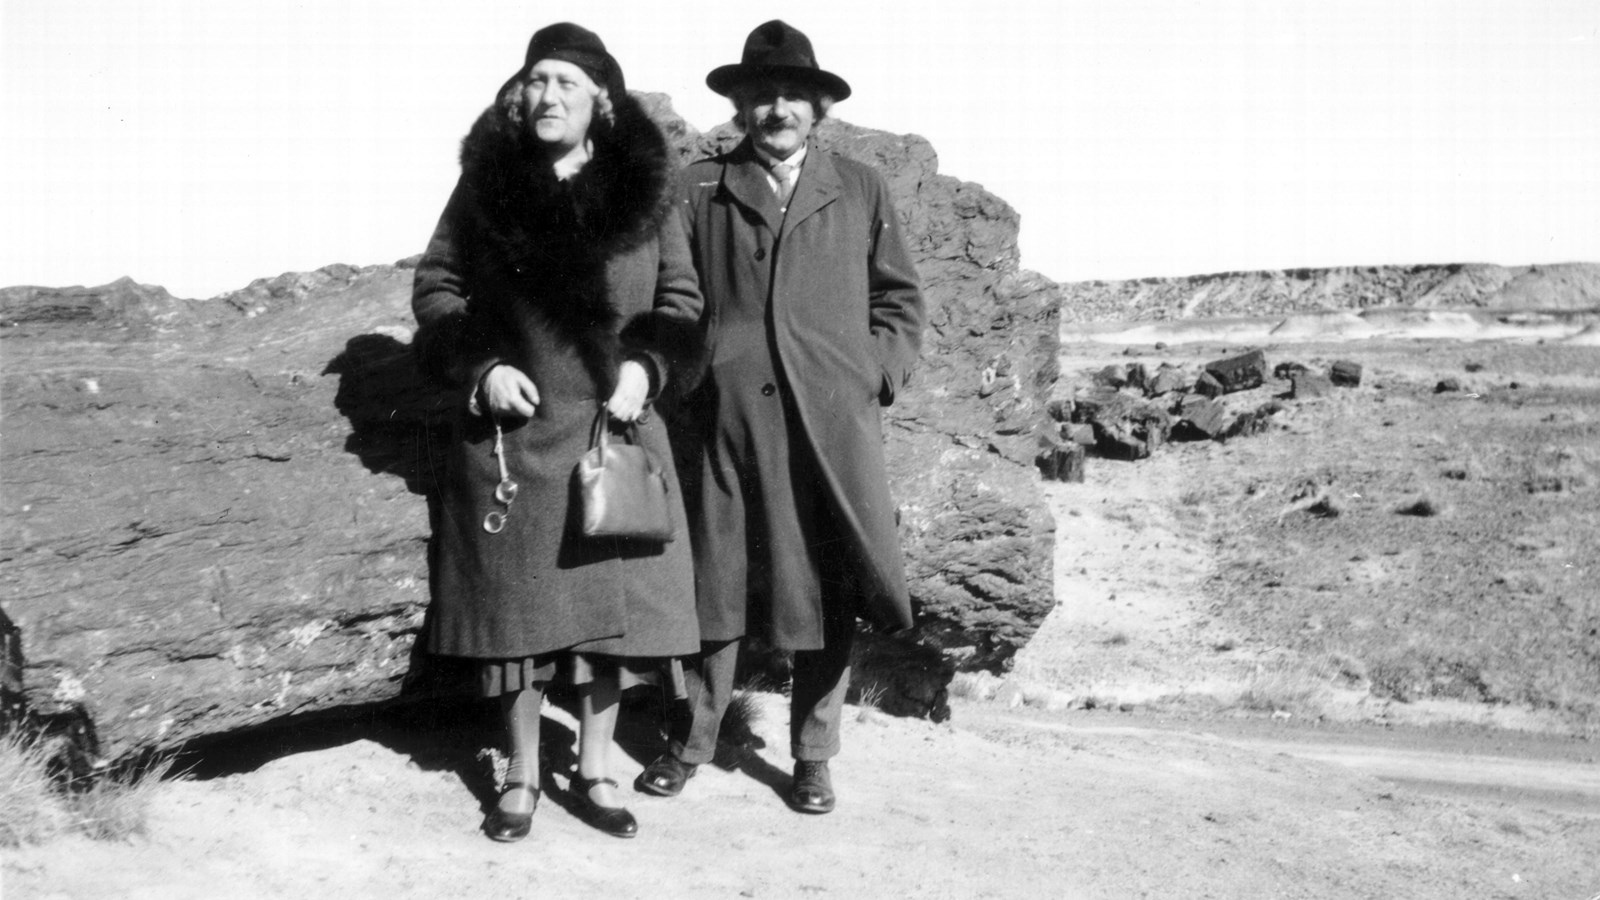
x=199 y=144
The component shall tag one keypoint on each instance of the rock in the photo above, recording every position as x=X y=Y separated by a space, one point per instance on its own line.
x=1087 y=405
x=1138 y=378
x=1207 y=385
x=1061 y=461
x=217 y=513
x=1201 y=417
x=12 y=706
x=913 y=679
x=1112 y=376
x=1239 y=373
x=1447 y=385
x=1130 y=428
x=1345 y=373
x=1166 y=380
x=1254 y=422
x=1078 y=433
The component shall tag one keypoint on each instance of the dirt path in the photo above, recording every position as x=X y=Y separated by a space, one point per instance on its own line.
x=1003 y=803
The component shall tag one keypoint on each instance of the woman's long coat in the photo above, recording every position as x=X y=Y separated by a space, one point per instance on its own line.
x=563 y=280
x=813 y=322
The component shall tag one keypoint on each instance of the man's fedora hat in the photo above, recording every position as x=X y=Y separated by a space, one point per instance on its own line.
x=777 y=50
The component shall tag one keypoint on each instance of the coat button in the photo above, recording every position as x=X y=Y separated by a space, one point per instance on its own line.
x=761 y=253
x=768 y=389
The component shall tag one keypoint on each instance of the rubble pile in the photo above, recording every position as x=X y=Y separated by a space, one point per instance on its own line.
x=1127 y=412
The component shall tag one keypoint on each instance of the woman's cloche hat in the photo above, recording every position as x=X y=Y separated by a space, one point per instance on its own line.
x=579 y=46
x=777 y=50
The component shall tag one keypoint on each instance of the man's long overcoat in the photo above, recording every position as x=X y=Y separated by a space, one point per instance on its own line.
x=813 y=322
x=563 y=280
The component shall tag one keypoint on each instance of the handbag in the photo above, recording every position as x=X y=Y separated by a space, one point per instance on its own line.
x=623 y=486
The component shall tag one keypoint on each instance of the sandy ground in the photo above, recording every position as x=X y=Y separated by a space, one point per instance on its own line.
x=1001 y=803
x=1007 y=799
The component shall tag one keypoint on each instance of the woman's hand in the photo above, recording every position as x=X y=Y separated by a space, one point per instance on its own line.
x=633 y=390
x=508 y=392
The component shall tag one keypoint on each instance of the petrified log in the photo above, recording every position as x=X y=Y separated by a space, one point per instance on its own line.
x=1239 y=373
x=1078 y=433
x=1201 y=417
x=1255 y=421
x=1166 y=380
x=1128 y=428
x=1287 y=370
x=11 y=697
x=216 y=511
x=1138 y=377
x=1061 y=460
x=1088 y=404
x=1112 y=376
x=1345 y=373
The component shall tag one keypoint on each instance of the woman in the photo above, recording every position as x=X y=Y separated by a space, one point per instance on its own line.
x=556 y=279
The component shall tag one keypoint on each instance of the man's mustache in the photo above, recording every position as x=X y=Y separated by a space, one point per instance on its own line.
x=775 y=123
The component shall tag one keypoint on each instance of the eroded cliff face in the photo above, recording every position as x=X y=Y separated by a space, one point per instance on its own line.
x=1563 y=286
x=215 y=515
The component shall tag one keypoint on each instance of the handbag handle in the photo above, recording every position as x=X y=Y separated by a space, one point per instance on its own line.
x=599 y=432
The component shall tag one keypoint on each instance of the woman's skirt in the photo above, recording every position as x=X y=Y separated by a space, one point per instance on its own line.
x=504 y=676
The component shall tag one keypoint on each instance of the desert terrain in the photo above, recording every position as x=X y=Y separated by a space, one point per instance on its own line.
x=1349 y=656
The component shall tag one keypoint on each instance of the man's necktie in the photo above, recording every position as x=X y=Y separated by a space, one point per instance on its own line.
x=781 y=172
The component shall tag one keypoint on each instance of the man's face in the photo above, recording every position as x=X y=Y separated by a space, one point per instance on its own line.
x=777 y=115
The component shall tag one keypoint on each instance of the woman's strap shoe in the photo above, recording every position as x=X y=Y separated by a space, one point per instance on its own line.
x=506 y=827
x=665 y=776
x=812 y=791
x=613 y=820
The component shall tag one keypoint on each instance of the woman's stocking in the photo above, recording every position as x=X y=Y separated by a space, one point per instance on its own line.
x=521 y=709
x=597 y=724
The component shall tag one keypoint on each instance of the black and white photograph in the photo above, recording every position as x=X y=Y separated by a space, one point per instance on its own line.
x=1080 y=449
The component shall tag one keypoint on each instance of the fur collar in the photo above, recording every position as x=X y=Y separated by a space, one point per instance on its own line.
x=549 y=240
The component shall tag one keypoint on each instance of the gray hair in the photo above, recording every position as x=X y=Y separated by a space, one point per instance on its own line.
x=511 y=102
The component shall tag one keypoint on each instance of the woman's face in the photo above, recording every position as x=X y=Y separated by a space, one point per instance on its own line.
x=560 y=100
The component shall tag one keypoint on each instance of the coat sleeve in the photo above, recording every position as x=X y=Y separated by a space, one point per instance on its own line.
x=453 y=346
x=668 y=338
x=895 y=304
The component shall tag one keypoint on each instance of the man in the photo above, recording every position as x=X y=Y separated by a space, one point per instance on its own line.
x=813 y=322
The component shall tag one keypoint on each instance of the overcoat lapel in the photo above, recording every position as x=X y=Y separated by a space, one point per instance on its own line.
x=746 y=179
x=819 y=185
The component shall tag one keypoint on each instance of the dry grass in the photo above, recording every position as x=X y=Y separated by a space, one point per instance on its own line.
x=1457 y=565
x=36 y=806
x=737 y=735
x=869 y=698
x=116 y=806
x=1284 y=688
x=31 y=808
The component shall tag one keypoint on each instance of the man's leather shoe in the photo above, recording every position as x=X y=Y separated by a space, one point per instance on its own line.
x=812 y=791
x=506 y=826
x=613 y=820
x=665 y=776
